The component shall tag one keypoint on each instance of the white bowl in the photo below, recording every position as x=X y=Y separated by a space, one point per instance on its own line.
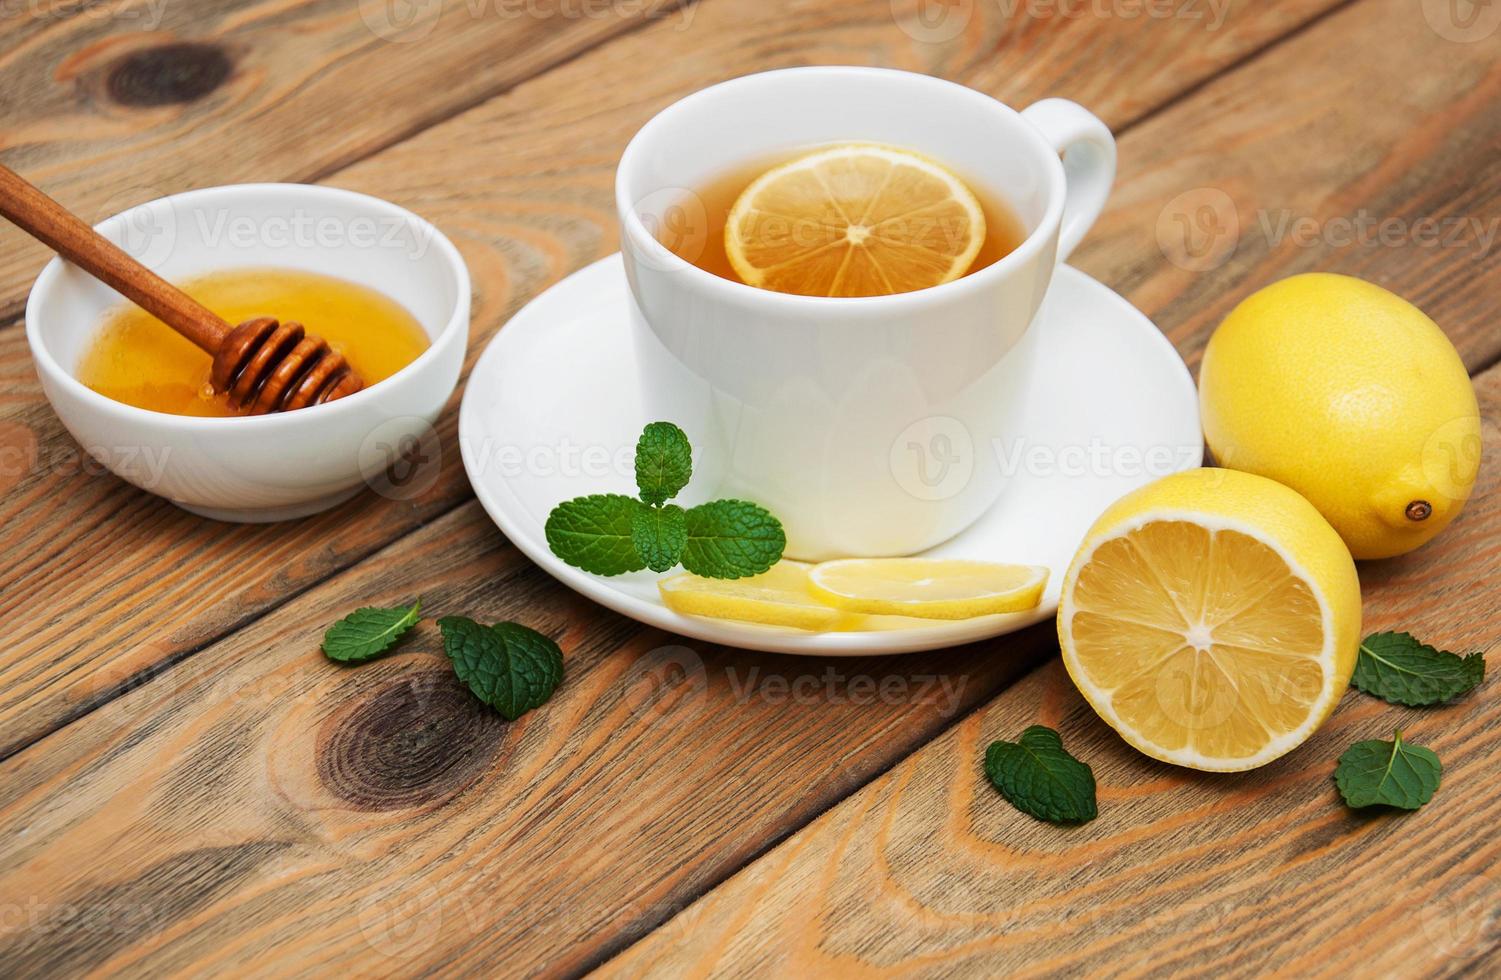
x=271 y=467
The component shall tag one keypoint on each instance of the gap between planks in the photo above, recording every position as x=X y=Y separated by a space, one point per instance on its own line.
x=13 y=319
x=130 y=683
x=783 y=832
x=621 y=943
x=13 y=311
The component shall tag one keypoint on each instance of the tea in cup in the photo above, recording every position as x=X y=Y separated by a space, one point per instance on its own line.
x=862 y=411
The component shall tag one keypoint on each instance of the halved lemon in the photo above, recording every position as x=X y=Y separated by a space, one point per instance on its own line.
x=928 y=588
x=854 y=220
x=779 y=596
x=1212 y=618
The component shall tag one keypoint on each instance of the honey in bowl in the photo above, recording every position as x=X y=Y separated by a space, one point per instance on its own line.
x=136 y=359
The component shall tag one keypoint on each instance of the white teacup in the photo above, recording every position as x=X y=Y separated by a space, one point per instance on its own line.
x=868 y=425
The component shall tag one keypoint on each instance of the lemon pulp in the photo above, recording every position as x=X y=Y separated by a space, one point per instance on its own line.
x=1212 y=619
x=1205 y=638
x=854 y=220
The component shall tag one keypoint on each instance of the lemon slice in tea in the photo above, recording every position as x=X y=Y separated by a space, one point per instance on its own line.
x=854 y=220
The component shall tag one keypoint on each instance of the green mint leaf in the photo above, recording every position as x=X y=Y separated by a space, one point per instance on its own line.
x=660 y=534
x=1387 y=773
x=732 y=539
x=1402 y=670
x=508 y=666
x=369 y=632
x=664 y=463
x=594 y=533
x=1040 y=779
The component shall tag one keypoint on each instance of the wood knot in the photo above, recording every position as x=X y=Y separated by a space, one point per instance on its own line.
x=168 y=74
x=416 y=740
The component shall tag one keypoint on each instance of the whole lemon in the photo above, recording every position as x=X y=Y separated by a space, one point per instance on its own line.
x=1351 y=396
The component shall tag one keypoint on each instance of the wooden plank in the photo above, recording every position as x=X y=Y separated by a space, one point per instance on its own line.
x=262 y=801
x=373 y=820
x=110 y=104
x=928 y=871
x=1352 y=170
x=523 y=185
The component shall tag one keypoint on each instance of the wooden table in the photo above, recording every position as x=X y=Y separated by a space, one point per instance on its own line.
x=188 y=786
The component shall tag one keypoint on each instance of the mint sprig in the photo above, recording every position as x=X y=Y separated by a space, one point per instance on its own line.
x=1395 y=773
x=368 y=632
x=611 y=534
x=508 y=666
x=1398 y=668
x=1040 y=779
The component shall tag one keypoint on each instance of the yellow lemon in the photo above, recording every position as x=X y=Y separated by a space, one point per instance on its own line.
x=854 y=220
x=1212 y=618
x=928 y=588
x=1351 y=396
x=779 y=596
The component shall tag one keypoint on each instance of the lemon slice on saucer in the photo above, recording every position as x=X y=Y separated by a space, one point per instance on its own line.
x=854 y=220
x=928 y=588
x=1212 y=619
x=779 y=596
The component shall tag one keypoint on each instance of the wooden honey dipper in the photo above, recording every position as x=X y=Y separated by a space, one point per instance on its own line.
x=263 y=365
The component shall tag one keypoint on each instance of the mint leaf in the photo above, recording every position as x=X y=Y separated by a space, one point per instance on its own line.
x=732 y=539
x=369 y=632
x=594 y=533
x=1040 y=779
x=660 y=533
x=1402 y=670
x=664 y=463
x=1387 y=773
x=508 y=666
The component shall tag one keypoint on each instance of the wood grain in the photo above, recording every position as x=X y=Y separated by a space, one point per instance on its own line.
x=110 y=104
x=259 y=804
x=927 y=871
x=1309 y=159
x=523 y=185
x=255 y=799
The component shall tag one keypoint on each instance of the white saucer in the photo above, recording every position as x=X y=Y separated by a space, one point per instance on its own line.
x=552 y=411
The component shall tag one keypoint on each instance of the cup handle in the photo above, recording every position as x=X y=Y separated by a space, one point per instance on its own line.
x=1088 y=151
